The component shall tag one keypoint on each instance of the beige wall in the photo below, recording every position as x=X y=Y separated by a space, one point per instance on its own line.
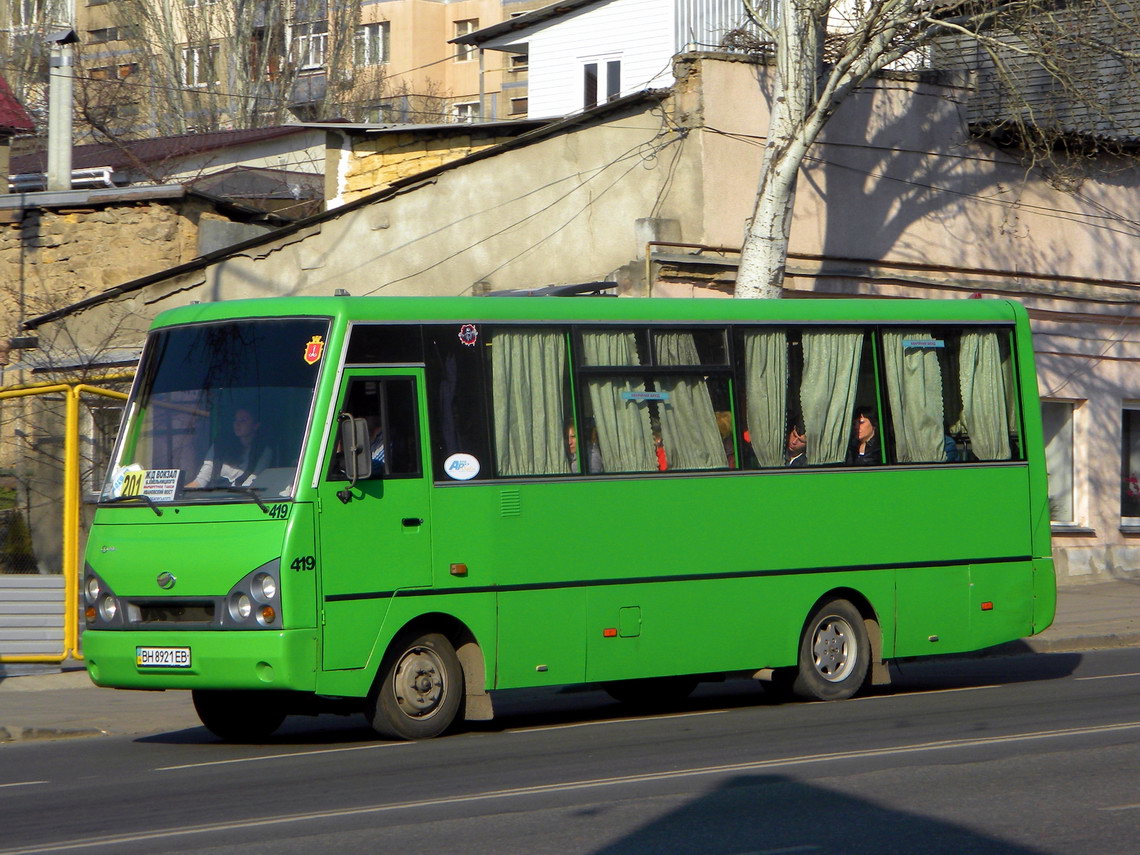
x=897 y=202
x=423 y=60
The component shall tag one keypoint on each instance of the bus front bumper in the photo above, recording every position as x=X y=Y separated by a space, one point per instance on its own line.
x=283 y=659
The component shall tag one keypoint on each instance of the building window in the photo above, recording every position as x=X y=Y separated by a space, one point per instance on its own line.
x=102 y=36
x=466 y=111
x=383 y=114
x=198 y=65
x=113 y=72
x=310 y=44
x=519 y=61
x=518 y=106
x=1057 y=420
x=1130 y=466
x=600 y=77
x=372 y=43
x=464 y=53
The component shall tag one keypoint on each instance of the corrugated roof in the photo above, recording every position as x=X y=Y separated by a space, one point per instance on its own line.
x=129 y=154
x=13 y=116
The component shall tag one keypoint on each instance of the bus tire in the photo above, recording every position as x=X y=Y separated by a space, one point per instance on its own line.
x=420 y=690
x=237 y=716
x=651 y=691
x=835 y=653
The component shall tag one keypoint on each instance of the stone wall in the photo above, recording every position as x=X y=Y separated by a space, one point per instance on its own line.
x=377 y=161
x=53 y=257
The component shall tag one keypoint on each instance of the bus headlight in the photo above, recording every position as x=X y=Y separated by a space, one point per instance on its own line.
x=264 y=587
x=254 y=602
x=102 y=609
x=241 y=606
x=108 y=608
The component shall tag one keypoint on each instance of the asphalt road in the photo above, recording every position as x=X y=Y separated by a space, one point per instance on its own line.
x=1034 y=754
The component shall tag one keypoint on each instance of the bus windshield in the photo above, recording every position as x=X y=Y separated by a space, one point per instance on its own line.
x=219 y=411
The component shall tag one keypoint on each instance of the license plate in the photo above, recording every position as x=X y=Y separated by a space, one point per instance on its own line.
x=162 y=657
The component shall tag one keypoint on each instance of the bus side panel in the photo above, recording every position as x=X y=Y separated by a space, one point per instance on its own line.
x=711 y=626
x=544 y=631
x=475 y=611
x=932 y=610
x=355 y=624
x=1044 y=594
x=298 y=577
x=1000 y=608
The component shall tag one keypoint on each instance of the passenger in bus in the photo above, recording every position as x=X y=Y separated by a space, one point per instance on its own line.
x=235 y=461
x=593 y=452
x=376 y=448
x=864 y=448
x=794 y=453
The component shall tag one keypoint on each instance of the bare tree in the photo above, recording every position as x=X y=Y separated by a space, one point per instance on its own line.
x=1042 y=64
x=202 y=65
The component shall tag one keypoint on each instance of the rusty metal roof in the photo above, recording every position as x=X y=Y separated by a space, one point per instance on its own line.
x=13 y=116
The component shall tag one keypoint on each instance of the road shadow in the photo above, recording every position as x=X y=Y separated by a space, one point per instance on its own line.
x=753 y=814
x=1006 y=668
x=517 y=709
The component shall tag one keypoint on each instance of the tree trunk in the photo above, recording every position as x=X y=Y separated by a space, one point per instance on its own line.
x=799 y=61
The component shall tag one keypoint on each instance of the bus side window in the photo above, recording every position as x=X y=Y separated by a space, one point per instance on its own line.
x=388 y=406
x=458 y=399
x=949 y=395
x=402 y=434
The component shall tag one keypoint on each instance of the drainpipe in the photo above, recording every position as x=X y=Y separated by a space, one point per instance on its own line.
x=482 y=89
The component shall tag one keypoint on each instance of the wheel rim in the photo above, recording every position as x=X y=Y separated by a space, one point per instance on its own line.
x=419 y=683
x=834 y=651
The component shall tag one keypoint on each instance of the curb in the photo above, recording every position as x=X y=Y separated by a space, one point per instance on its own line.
x=24 y=734
x=1036 y=644
x=1080 y=643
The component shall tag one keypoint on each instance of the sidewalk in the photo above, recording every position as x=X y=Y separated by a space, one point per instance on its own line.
x=51 y=702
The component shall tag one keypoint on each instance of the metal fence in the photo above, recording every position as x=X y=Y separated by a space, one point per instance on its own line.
x=57 y=437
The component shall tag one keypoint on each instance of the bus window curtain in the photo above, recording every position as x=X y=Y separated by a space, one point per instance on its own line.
x=983 y=395
x=625 y=437
x=827 y=394
x=766 y=385
x=914 y=390
x=528 y=370
x=688 y=422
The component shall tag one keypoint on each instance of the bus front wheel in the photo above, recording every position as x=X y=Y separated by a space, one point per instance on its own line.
x=420 y=691
x=835 y=653
x=237 y=716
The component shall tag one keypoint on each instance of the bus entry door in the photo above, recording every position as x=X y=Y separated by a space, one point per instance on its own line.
x=378 y=541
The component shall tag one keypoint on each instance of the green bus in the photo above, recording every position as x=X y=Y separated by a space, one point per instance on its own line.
x=397 y=506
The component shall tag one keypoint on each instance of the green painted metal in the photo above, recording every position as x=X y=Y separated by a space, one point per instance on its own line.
x=716 y=571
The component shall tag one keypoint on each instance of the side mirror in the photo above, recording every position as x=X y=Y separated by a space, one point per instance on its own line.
x=357 y=454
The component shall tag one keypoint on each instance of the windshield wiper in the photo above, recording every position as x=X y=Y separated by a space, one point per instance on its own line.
x=244 y=491
x=133 y=497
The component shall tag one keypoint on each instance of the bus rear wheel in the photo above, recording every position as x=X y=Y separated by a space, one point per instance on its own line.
x=239 y=716
x=835 y=653
x=421 y=689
